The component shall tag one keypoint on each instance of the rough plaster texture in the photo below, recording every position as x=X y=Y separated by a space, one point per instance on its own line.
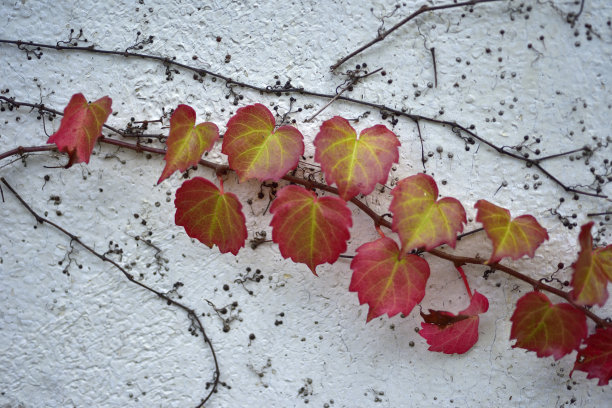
x=89 y=338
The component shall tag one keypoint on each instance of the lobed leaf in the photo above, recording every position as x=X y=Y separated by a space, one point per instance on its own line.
x=309 y=229
x=592 y=271
x=454 y=334
x=420 y=220
x=354 y=163
x=596 y=357
x=388 y=280
x=255 y=150
x=187 y=142
x=511 y=238
x=210 y=215
x=547 y=329
x=81 y=126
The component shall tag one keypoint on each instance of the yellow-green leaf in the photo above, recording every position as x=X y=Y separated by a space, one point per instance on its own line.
x=256 y=150
x=354 y=163
x=511 y=238
x=187 y=142
x=420 y=220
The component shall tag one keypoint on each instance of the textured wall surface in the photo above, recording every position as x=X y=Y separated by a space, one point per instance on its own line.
x=87 y=337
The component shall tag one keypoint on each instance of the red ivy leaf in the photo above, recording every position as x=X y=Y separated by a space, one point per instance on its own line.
x=210 y=215
x=187 y=143
x=592 y=270
x=309 y=229
x=596 y=358
x=547 y=329
x=419 y=219
x=521 y=236
x=255 y=150
x=449 y=333
x=387 y=280
x=81 y=126
x=354 y=163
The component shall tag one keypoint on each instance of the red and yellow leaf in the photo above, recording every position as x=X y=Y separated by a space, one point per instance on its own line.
x=187 y=142
x=592 y=271
x=596 y=358
x=454 y=334
x=210 y=215
x=354 y=163
x=547 y=329
x=521 y=236
x=256 y=150
x=309 y=229
x=81 y=126
x=388 y=280
x=420 y=220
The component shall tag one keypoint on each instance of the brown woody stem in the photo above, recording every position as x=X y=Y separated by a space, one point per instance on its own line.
x=420 y=11
x=191 y=313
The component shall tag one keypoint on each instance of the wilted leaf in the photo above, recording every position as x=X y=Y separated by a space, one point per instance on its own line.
x=186 y=142
x=449 y=333
x=210 y=215
x=255 y=150
x=521 y=236
x=592 y=270
x=309 y=229
x=596 y=358
x=419 y=219
x=81 y=126
x=387 y=280
x=354 y=163
x=547 y=329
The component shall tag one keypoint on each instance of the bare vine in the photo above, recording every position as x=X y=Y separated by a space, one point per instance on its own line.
x=463 y=132
x=197 y=326
x=384 y=34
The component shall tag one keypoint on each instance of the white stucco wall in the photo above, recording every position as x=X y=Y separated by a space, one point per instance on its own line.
x=91 y=338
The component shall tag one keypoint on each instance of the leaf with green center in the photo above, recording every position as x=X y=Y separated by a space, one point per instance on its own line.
x=210 y=215
x=547 y=329
x=592 y=271
x=256 y=150
x=521 y=236
x=81 y=126
x=309 y=229
x=354 y=163
x=187 y=142
x=454 y=334
x=420 y=220
x=596 y=358
x=387 y=280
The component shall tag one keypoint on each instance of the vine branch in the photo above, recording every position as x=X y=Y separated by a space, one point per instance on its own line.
x=191 y=313
x=349 y=85
x=166 y=61
x=379 y=220
x=384 y=34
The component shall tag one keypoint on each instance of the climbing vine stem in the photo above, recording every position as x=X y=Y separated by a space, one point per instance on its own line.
x=379 y=220
x=191 y=313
